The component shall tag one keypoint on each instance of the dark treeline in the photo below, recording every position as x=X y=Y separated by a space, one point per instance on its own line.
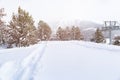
x=21 y=31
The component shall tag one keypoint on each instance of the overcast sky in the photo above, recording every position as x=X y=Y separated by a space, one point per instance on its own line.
x=55 y=10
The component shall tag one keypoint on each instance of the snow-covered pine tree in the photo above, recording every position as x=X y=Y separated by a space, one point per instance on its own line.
x=2 y=27
x=44 y=31
x=20 y=28
x=98 y=37
x=78 y=35
x=116 y=41
x=68 y=33
x=61 y=34
x=75 y=33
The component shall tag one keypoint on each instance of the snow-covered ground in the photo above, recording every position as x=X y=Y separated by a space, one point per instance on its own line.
x=61 y=60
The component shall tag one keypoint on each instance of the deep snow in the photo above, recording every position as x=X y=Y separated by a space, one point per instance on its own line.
x=61 y=60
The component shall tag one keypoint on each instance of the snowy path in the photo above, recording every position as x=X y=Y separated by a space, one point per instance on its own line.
x=24 y=69
x=72 y=60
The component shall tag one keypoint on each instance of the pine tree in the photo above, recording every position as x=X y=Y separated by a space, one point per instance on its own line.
x=78 y=35
x=44 y=31
x=20 y=27
x=116 y=41
x=60 y=34
x=68 y=33
x=98 y=38
x=73 y=33
x=2 y=26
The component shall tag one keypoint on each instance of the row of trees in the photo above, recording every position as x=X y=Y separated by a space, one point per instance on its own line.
x=21 y=31
x=69 y=33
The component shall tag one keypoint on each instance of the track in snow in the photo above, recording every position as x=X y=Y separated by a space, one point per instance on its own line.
x=25 y=69
x=65 y=60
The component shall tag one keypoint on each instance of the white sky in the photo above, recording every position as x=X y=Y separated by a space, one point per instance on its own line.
x=55 y=10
